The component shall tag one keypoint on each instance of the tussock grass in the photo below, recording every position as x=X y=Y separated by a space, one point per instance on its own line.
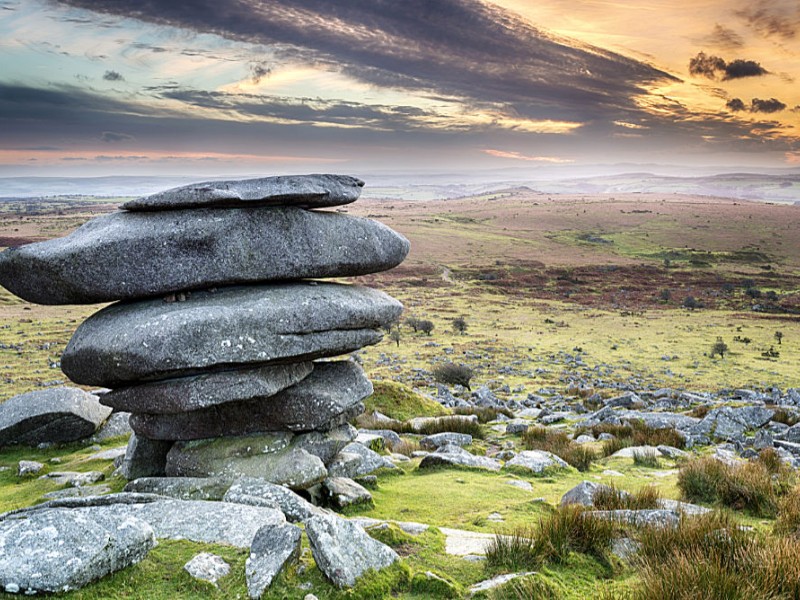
x=406 y=447
x=567 y=529
x=755 y=486
x=645 y=459
x=484 y=413
x=611 y=498
x=710 y=557
x=557 y=442
x=452 y=423
x=786 y=417
x=635 y=433
x=788 y=519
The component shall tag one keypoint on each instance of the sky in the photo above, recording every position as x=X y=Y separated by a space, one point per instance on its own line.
x=190 y=87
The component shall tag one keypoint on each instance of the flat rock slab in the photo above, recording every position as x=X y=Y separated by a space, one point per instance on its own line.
x=260 y=492
x=230 y=328
x=60 y=414
x=343 y=551
x=128 y=255
x=457 y=456
x=182 y=394
x=276 y=457
x=305 y=191
x=273 y=547
x=181 y=488
x=431 y=442
x=57 y=550
x=328 y=398
x=535 y=462
x=465 y=543
x=655 y=517
x=495 y=582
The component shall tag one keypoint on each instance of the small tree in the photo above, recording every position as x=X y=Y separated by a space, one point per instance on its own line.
x=394 y=335
x=460 y=325
x=778 y=337
x=719 y=347
x=413 y=322
x=665 y=295
x=690 y=302
x=453 y=374
x=425 y=326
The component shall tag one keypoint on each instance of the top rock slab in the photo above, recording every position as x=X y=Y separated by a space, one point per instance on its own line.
x=304 y=191
x=131 y=255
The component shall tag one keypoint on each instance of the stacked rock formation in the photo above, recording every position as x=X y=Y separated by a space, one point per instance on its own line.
x=215 y=334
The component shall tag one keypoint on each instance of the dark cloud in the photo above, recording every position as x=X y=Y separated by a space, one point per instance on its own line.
x=462 y=48
x=736 y=105
x=773 y=18
x=772 y=105
x=113 y=76
x=706 y=66
x=713 y=66
x=723 y=37
x=739 y=68
x=113 y=136
x=258 y=71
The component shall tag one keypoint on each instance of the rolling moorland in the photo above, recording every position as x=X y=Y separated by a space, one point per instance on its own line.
x=568 y=301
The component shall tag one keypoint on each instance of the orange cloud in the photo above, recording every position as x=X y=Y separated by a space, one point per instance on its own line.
x=520 y=156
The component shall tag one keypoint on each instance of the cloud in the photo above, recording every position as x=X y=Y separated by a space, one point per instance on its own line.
x=712 y=66
x=724 y=37
x=736 y=105
x=772 y=105
x=113 y=136
x=463 y=49
x=525 y=157
x=258 y=71
x=772 y=18
x=113 y=76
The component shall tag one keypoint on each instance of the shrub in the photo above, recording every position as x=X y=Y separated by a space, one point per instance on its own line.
x=557 y=442
x=460 y=325
x=452 y=374
x=699 y=479
x=394 y=335
x=719 y=347
x=413 y=322
x=425 y=326
x=690 y=302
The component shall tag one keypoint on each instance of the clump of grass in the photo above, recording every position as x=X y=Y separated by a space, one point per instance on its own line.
x=484 y=413
x=710 y=557
x=786 y=417
x=700 y=411
x=567 y=529
x=557 y=442
x=634 y=433
x=646 y=459
x=454 y=424
x=755 y=486
x=406 y=447
x=527 y=588
x=788 y=520
x=610 y=498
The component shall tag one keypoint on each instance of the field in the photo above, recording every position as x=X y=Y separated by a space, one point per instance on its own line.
x=573 y=294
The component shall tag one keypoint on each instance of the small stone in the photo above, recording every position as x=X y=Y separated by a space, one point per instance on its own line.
x=207 y=567
x=341 y=492
x=29 y=467
x=536 y=462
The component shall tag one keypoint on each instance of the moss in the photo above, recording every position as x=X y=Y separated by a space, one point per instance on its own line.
x=398 y=401
x=434 y=585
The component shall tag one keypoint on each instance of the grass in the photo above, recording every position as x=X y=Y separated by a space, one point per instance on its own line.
x=567 y=529
x=484 y=413
x=711 y=557
x=646 y=459
x=556 y=441
x=611 y=498
x=450 y=423
x=755 y=487
x=634 y=433
x=398 y=401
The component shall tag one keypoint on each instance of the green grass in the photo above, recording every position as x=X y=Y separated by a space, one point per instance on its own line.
x=398 y=401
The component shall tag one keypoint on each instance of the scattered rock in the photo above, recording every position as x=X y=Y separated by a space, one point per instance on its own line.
x=495 y=582
x=340 y=492
x=437 y=440
x=59 y=550
x=52 y=415
x=457 y=456
x=73 y=478
x=583 y=493
x=536 y=462
x=259 y=492
x=207 y=567
x=343 y=551
x=29 y=467
x=273 y=548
